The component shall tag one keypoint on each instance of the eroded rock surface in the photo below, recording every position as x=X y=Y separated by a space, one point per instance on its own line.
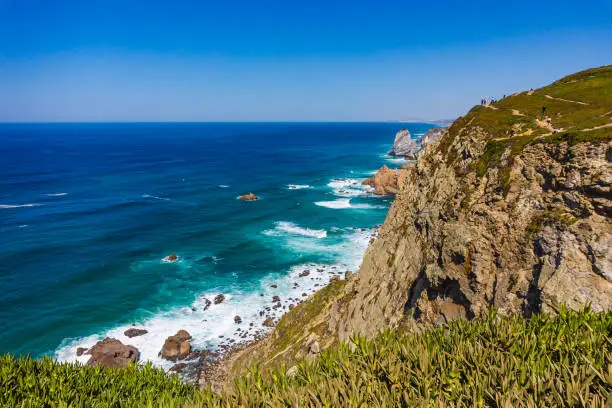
x=112 y=353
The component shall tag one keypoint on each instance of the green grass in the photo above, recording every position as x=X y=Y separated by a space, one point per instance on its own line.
x=592 y=87
x=495 y=361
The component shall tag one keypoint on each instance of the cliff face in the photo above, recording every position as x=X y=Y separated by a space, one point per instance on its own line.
x=501 y=212
x=489 y=216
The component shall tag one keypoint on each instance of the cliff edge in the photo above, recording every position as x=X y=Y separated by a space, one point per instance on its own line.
x=509 y=209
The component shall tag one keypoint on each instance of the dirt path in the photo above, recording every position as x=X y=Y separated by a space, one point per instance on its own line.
x=597 y=127
x=490 y=106
x=565 y=100
x=517 y=113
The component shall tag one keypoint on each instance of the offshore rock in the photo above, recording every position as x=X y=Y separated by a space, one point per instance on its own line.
x=133 y=332
x=384 y=181
x=431 y=136
x=112 y=353
x=248 y=197
x=404 y=145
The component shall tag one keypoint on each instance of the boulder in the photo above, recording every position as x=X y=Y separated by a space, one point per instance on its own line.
x=404 y=145
x=112 y=353
x=219 y=298
x=275 y=299
x=207 y=303
x=133 y=332
x=176 y=347
x=269 y=322
x=385 y=181
x=81 y=351
x=237 y=319
x=248 y=197
x=304 y=273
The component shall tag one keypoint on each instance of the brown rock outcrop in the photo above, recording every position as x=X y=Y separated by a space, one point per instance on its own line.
x=248 y=197
x=112 y=353
x=385 y=181
x=134 y=332
x=176 y=347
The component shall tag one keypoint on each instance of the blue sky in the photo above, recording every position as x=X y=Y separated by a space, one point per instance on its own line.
x=68 y=60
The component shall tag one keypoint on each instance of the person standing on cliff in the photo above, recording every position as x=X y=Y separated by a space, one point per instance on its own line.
x=543 y=110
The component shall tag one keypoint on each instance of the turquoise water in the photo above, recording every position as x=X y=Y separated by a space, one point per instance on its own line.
x=89 y=211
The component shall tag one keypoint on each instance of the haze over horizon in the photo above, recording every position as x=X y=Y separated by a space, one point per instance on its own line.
x=69 y=61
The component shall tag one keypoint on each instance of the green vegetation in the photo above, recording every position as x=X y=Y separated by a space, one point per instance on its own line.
x=555 y=216
x=494 y=361
x=579 y=106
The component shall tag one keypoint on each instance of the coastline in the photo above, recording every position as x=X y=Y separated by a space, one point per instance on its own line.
x=347 y=194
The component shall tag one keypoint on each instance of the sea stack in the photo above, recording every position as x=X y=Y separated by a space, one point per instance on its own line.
x=432 y=135
x=404 y=145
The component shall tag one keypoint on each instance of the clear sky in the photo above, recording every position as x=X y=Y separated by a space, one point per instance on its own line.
x=227 y=60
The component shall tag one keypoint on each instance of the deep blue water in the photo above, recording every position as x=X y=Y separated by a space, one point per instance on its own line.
x=90 y=210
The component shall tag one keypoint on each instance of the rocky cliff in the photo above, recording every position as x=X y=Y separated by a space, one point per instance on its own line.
x=502 y=211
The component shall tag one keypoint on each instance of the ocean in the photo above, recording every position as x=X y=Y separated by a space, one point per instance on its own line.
x=90 y=211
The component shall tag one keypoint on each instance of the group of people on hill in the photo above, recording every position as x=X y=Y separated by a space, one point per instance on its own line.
x=487 y=101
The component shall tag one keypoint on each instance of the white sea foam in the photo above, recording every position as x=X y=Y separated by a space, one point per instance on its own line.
x=215 y=325
x=349 y=187
x=395 y=160
x=56 y=194
x=285 y=227
x=342 y=203
x=298 y=186
x=155 y=197
x=5 y=206
x=223 y=186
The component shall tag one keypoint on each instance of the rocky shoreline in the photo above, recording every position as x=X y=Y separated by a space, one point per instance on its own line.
x=203 y=366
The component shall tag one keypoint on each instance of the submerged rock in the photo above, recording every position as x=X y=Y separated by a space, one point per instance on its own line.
x=176 y=347
x=248 y=197
x=112 y=353
x=133 y=332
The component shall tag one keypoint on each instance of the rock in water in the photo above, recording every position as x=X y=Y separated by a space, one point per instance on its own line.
x=404 y=145
x=81 y=351
x=385 y=181
x=248 y=197
x=237 y=319
x=176 y=347
x=219 y=298
x=133 y=332
x=171 y=258
x=112 y=353
x=268 y=322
